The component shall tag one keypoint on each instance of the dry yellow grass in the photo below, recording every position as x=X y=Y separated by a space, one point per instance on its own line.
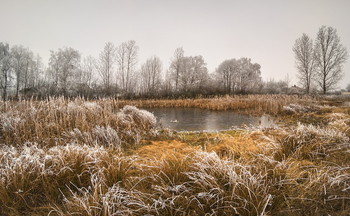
x=234 y=147
x=252 y=104
x=165 y=149
x=77 y=157
x=59 y=121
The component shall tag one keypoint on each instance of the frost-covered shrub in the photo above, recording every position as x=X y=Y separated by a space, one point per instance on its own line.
x=59 y=121
x=106 y=136
x=133 y=124
x=142 y=117
x=95 y=201
x=325 y=191
x=75 y=107
x=91 y=106
x=296 y=108
x=9 y=121
x=77 y=136
x=337 y=116
x=341 y=125
x=288 y=110
x=311 y=142
x=21 y=174
x=225 y=187
x=99 y=135
x=32 y=177
x=339 y=121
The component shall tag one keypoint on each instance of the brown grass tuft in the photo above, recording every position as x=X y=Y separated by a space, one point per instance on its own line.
x=77 y=157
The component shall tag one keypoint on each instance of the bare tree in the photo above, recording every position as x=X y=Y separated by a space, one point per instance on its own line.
x=274 y=87
x=126 y=60
x=84 y=77
x=226 y=74
x=88 y=69
x=18 y=63
x=25 y=67
x=175 y=66
x=166 y=85
x=37 y=71
x=121 y=55
x=184 y=75
x=53 y=69
x=239 y=76
x=106 y=64
x=28 y=68
x=304 y=61
x=64 y=65
x=330 y=55
x=249 y=76
x=5 y=67
x=188 y=73
x=196 y=73
x=151 y=76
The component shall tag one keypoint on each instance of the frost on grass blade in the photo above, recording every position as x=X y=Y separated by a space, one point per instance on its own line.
x=223 y=184
x=9 y=121
x=314 y=142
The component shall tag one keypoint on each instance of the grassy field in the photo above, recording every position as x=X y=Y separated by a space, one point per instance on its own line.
x=107 y=157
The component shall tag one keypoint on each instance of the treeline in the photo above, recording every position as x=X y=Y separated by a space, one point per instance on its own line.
x=116 y=72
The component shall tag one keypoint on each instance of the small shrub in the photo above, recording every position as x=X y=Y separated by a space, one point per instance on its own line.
x=222 y=187
x=313 y=142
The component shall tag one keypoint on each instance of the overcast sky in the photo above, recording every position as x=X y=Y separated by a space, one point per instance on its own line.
x=264 y=31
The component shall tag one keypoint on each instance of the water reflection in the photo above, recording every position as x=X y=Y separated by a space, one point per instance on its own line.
x=195 y=119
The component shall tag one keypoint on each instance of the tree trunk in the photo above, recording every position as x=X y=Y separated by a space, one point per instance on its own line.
x=4 y=96
x=17 y=89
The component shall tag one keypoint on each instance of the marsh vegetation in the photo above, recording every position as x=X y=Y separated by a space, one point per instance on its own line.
x=174 y=108
x=107 y=157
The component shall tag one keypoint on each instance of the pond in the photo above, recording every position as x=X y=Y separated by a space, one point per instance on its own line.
x=195 y=119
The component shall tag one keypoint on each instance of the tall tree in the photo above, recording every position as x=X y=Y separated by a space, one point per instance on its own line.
x=196 y=73
x=64 y=64
x=304 y=61
x=189 y=74
x=151 y=76
x=126 y=59
x=5 y=68
x=239 y=76
x=226 y=73
x=19 y=65
x=175 y=66
x=37 y=72
x=25 y=67
x=29 y=68
x=106 y=64
x=249 y=75
x=330 y=55
x=87 y=72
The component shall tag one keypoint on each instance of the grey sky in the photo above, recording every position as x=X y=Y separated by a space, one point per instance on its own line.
x=265 y=30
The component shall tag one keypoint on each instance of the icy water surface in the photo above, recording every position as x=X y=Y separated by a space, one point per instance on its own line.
x=195 y=119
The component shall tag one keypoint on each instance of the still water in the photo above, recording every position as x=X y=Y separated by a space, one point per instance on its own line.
x=195 y=119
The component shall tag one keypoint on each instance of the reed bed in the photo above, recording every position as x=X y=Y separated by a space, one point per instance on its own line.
x=76 y=157
x=250 y=104
x=58 y=121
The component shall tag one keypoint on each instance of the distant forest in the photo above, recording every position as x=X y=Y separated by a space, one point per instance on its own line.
x=116 y=72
